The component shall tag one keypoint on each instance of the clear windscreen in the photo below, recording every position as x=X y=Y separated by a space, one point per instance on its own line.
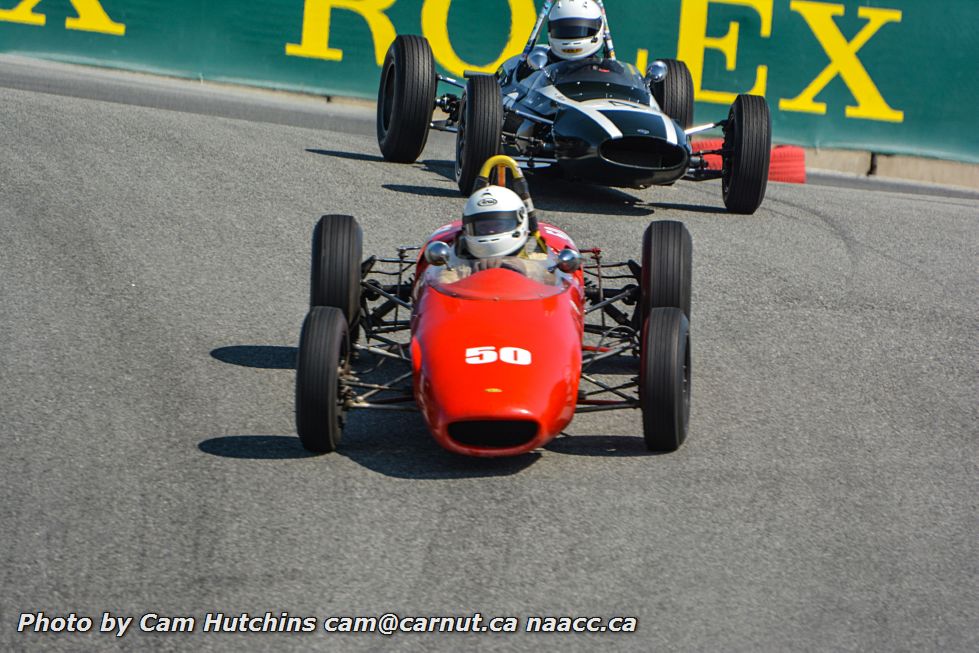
x=531 y=278
x=596 y=80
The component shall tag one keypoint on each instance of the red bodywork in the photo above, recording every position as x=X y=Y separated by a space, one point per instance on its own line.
x=497 y=356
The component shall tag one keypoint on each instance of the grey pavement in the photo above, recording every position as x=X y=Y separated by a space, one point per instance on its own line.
x=826 y=499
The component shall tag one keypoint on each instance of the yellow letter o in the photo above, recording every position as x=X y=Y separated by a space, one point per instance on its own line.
x=435 y=27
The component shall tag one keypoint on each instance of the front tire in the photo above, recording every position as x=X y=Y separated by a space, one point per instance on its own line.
x=479 y=130
x=667 y=268
x=664 y=379
x=674 y=94
x=323 y=354
x=335 y=266
x=406 y=99
x=748 y=152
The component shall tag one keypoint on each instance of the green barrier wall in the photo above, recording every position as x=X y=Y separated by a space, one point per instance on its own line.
x=891 y=76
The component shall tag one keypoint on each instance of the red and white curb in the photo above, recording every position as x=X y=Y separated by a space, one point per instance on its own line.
x=788 y=161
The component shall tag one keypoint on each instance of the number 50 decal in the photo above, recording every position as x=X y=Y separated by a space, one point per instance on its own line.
x=511 y=355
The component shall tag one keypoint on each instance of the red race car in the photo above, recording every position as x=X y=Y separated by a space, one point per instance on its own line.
x=503 y=350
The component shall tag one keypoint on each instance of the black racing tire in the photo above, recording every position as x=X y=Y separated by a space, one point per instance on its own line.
x=335 y=266
x=747 y=154
x=664 y=379
x=323 y=353
x=667 y=268
x=674 y=95
x=406 y=99
x=480 y=129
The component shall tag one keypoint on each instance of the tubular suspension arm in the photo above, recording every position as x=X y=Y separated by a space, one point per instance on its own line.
x=381 y=352
x=365 y=406
x=383 y=293
x=606 y=387
x=624 y=386
x=608 y=354
x=625 y=294
x=449 y=80
x=598 y=408
x=375 y=389
x=703 y=128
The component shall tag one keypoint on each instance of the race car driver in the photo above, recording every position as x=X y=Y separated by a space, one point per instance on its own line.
x=576 y=30
x=494 y=224
x=496 y=233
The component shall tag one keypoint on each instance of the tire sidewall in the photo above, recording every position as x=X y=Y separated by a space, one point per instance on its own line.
x=323 y=350
x=744 y=191
x=343 y=293
x=665 y=379
x=479 y=132
x=732 y=143
x=461 y=136
x=407 y=90
x=386 y=91
x=661 y=240
x=662 y=92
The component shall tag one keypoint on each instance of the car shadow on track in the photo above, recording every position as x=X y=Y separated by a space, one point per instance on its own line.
x=426 y=191
x=606 y=446
x=386 y=445
x=255 y=447
x=554 y=193
x=400 y=446
x=260 y=356
x=688 y=208
x=551 y=192
x=395 y=444
x=355 y=156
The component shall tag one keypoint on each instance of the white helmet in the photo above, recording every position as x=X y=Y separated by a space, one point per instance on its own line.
x=494 y=223
x=575 y=29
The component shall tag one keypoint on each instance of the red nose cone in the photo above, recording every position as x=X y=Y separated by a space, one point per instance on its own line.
x=497 y=377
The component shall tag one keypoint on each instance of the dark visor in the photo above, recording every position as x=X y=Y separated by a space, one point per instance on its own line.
x=568 y=29
x=488 y=224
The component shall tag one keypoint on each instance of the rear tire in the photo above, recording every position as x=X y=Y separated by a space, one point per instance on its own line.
x=323 y=351
x=667 y=268
x=406 y=99
x=748 y=152
x=335 y=266
x=664 y=379
x=480 y=129
x=674 y=95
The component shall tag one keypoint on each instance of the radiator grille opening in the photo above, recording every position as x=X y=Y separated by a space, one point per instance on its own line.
x=642 y=152
x=493 y=434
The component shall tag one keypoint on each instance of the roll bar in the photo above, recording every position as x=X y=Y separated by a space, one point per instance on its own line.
x=609 y=46
x=502 y=163
x=535 y=33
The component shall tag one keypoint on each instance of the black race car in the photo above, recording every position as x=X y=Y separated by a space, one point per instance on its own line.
x=598 y=120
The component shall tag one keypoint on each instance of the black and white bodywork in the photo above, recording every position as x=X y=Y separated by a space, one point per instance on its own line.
x=593 y=118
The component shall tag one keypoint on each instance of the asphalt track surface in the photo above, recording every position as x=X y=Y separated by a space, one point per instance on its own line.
x=154 y=267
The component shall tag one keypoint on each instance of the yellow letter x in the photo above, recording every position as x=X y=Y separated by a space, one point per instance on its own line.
x=844 y=62
x=91 y=17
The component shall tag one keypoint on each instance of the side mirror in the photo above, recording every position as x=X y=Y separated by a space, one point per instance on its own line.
x=537 y=59
x=438 y=253
x=656 y=72
x=568 y=261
